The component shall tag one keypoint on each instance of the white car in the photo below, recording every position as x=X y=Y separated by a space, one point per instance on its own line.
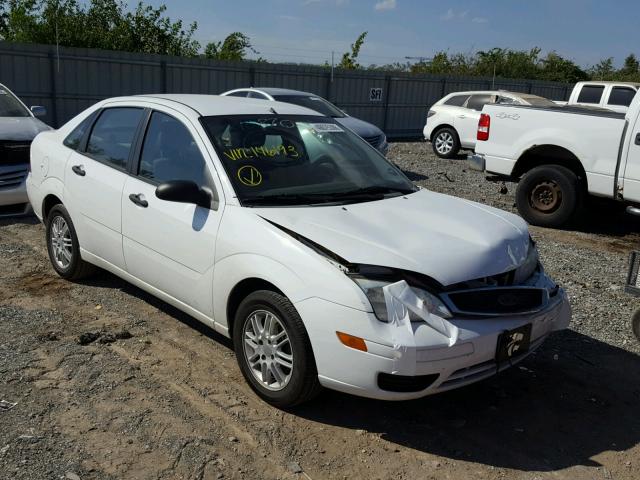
x=452 y=122
x=277 y=227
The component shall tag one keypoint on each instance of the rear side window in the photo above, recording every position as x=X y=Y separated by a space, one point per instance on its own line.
x=74 y=139
x=591 y=94
x=457 y=100
x=257 y=95
x=112 y=135
x=621 y=96
x=169 y=152
x=237 y=94
x=476 y=102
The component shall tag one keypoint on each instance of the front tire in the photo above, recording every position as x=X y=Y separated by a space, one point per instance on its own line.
x=446 y=143
x=63 y=246
x=549 y=196
x=273 y=350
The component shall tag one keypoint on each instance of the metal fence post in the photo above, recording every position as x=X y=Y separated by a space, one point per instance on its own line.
x=329 y=86
x=163 y=76
x=387 y=88
x=252 y=75
x=54 y=89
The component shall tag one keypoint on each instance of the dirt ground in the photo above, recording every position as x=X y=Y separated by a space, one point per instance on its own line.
x=170 y=402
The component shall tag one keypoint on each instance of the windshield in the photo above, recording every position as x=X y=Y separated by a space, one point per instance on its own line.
x=301 y=160
x=318 y=104
x=10 y=106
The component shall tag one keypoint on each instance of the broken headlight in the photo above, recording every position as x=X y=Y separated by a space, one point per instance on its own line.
x=373 y=290
x=524 y=271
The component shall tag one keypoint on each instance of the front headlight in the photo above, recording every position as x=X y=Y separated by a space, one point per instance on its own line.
x=524 y=271
x=373 y=290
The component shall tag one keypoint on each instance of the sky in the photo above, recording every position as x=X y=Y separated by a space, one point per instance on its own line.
x=307 y=31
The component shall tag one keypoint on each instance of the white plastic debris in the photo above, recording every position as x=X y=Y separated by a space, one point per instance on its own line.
x=5 y=405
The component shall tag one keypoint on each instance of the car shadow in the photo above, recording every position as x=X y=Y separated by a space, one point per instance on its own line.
x=574 y=398
x=570 y=401
x=29 y=219
x=607 y=217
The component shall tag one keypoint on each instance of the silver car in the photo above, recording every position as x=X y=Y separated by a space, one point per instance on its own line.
x=18 y=127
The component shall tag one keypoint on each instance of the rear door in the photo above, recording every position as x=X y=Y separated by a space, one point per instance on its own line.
x=466 y=119
x=94 y=180
x=170 y=245
x=620 y=97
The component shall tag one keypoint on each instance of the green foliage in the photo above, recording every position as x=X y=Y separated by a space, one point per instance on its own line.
x=234 y=47
x=350 y=59
x=105 y=24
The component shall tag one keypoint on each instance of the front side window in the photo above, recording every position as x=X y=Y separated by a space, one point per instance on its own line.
x=621 y=96
x=112 y=135
x=591 y=94
x=317 y=104
x=10 y=106
x=477 y=102
x=77 y=134
x=169 y=152
x=300 y=160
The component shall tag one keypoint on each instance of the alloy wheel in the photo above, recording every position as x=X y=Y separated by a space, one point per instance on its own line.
x=444 y=143
x=267 y=349
x=61 y=243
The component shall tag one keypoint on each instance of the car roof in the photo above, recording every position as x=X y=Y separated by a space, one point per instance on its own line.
x=276 y=91
x=486 y=92
x=210 y=105
x=609 y=82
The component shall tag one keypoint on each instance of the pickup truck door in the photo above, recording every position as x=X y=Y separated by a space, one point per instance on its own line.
x=631 y=169
x=171 y=245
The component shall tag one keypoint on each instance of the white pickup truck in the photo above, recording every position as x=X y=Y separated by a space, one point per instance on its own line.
x=559 y=155
x=616 y=96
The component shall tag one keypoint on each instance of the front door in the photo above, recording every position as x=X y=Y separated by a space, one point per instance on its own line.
x=94 y=181
x=169 y=245
x=631 y=170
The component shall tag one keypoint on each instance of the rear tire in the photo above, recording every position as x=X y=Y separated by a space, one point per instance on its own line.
x=63 y=246
x=549 y=196
x=264 y=321
x=446 y=143
x=635 y=324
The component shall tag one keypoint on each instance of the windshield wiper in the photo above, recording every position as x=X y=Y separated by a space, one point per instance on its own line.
x=374 y=190
x=287 y=199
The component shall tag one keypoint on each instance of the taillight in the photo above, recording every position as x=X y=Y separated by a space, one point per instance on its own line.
x=484 y=124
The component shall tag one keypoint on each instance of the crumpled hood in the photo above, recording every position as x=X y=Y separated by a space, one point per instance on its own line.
x=21 y=128
x=360 y=127
x=447 y=238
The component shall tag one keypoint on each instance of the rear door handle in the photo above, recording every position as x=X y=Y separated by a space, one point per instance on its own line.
x=79 y=170
x=462 y=116
x=638 y=139
x=139 y=200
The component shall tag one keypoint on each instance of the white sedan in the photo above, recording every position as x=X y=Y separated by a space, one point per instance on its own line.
x=452 y=122
x=277 y=227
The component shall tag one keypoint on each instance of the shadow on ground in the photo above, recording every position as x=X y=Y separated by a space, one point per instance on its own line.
x=546 y=415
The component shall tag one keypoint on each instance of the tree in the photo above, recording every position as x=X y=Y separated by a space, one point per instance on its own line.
x=603 y=70
x=106 y=24
x=350 y=59
x=631 y=66
x=234 y=47
x=555 y=68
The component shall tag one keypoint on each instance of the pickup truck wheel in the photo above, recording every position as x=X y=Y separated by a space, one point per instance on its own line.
x=63 y=246
x=549 y=196
x=446 y=143
x=273 y=350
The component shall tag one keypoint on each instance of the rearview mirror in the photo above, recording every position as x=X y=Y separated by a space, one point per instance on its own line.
x=183 y=191
x=38 y=110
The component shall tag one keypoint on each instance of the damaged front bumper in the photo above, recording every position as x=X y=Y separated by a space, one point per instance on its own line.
x=406 y=360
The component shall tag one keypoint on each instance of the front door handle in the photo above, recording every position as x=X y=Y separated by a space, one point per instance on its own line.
x=79 y=170
x=139 y=200
x=638 y=139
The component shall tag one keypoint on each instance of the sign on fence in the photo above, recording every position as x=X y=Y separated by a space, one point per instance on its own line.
x=375 y=95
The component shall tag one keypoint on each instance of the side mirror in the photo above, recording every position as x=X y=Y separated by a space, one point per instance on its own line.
x=38 y=110
x=183 y=191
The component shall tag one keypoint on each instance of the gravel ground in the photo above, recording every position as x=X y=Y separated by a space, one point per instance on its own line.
x=110 y=383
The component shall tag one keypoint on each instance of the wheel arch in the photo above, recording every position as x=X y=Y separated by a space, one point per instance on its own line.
x=541 y=155
x=48 y=202
x=243 y=289
x=437 y=129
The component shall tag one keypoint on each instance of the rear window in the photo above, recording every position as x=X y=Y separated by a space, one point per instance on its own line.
x=476 y=102
x=457 y=100
x=591 y=94
x=621 y=96
x=318 y=104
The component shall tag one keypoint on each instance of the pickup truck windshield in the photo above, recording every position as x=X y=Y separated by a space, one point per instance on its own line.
x=301 y=160
x=10 y=106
